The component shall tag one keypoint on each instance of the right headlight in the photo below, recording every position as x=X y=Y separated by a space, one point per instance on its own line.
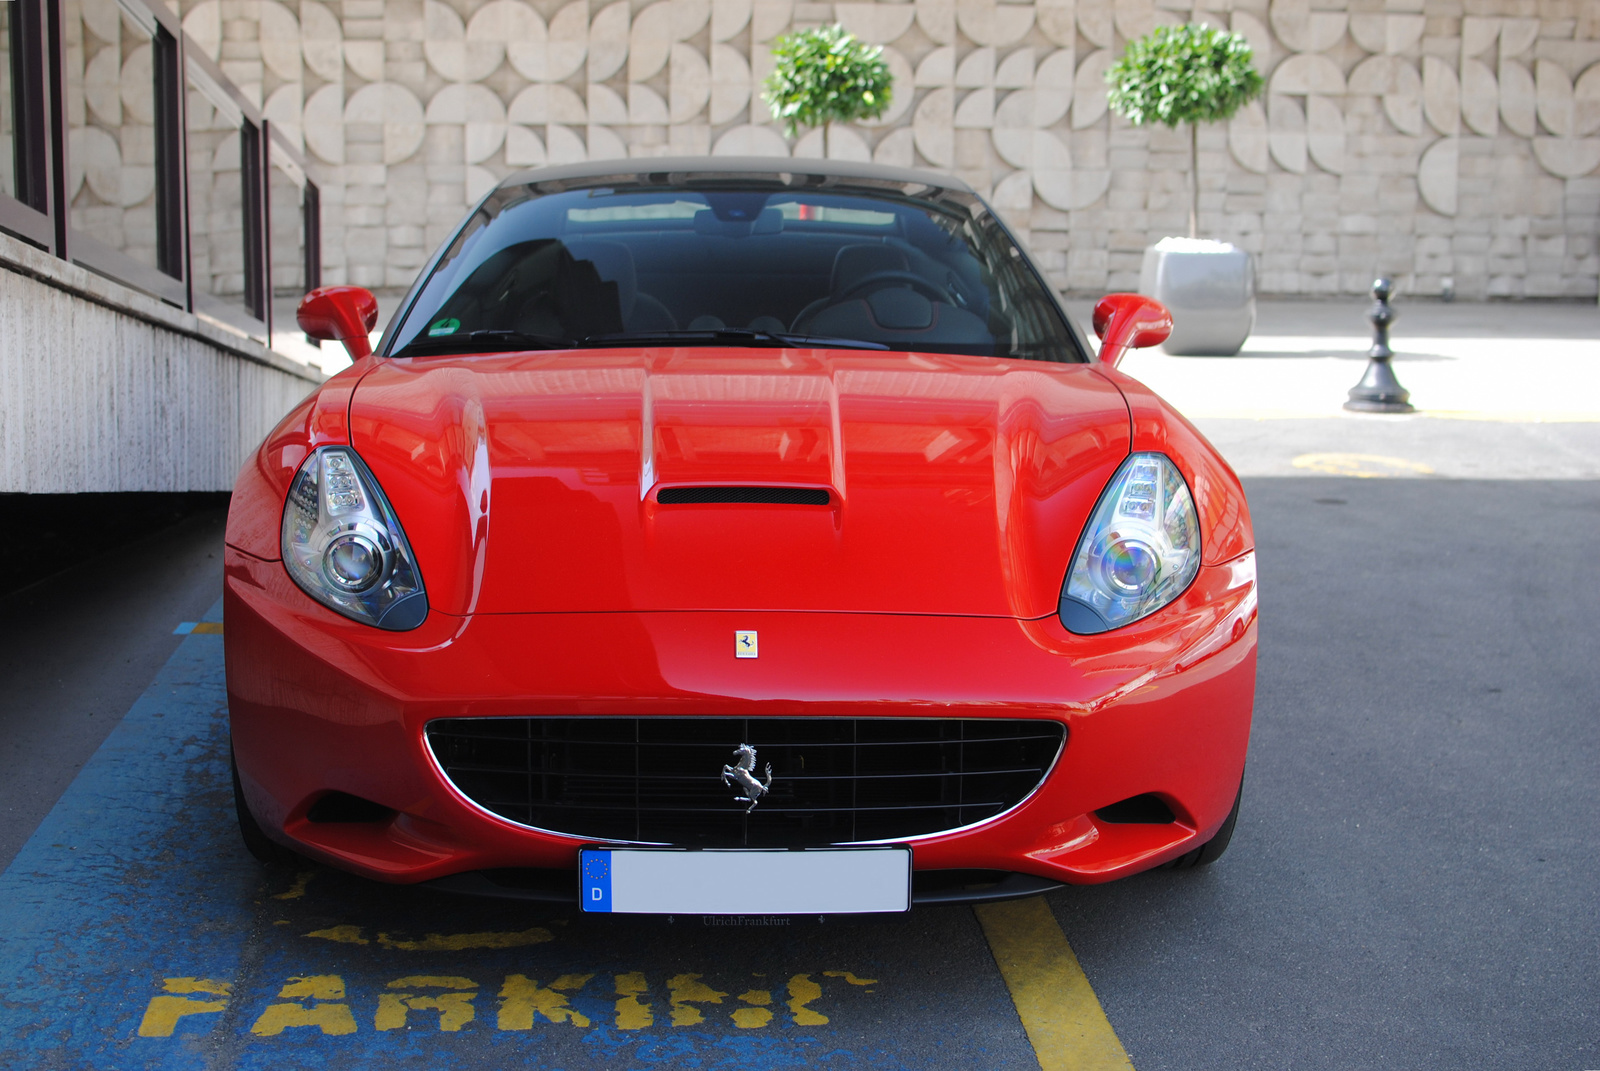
x=1139 y=551
x=343 y=546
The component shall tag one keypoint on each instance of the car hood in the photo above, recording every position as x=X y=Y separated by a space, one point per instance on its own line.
x=529 y=482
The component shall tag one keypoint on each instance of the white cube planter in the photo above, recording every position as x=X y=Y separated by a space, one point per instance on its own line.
x=1210 y=288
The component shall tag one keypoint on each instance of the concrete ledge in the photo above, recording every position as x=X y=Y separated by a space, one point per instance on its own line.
x=24 y=259
x=103 y=388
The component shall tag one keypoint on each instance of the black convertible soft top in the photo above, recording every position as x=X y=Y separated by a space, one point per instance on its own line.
x=684 y=170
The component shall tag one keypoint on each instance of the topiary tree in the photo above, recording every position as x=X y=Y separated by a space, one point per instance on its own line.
x=1184 y=74
x=825 y=75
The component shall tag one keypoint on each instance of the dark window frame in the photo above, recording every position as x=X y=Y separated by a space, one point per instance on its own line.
x=311 y=213
x=28 y=214
x=253 y=193
x=172 y=254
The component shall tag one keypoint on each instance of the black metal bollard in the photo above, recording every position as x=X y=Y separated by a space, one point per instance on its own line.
x=1379 y=391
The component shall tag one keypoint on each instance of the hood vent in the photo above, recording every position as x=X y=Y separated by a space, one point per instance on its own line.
x=779 y=496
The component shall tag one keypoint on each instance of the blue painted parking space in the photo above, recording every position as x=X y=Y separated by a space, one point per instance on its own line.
x=136 y=933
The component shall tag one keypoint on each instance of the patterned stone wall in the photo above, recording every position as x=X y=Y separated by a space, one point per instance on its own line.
x=1434 y=140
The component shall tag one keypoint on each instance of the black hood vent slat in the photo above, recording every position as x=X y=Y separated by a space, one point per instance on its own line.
x=778 y=496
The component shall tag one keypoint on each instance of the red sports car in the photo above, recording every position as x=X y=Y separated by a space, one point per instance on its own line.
x=738 y=536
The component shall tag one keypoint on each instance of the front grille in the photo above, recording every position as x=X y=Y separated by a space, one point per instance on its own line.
x=658 y=780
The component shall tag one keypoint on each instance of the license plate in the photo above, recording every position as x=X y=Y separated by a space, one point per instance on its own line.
x=675 y=881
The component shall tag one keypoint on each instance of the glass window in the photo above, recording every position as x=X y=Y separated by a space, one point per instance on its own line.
x=737 y=264
x=111 y=104
x=216 y=198
x=286 y=197
x=286 y=246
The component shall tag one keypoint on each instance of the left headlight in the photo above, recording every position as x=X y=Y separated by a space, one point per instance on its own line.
x=343 y=546
x=1139 y=551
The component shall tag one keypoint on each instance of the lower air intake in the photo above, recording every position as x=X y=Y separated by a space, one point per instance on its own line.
x=658 y=780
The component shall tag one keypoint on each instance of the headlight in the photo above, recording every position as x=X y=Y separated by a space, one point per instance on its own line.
x=344 y=547
x=1139 y=551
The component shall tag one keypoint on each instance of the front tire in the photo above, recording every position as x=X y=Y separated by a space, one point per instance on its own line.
x=256 y=842
x=1211 y=850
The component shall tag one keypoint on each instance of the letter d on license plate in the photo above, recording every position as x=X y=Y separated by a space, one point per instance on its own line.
x=817 y=881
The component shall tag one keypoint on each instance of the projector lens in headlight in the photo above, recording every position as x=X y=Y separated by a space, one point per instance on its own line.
x=354 y=561
x=1130 y=568
x=1139 y=551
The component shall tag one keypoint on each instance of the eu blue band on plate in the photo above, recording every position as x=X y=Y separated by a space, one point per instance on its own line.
x=596 y=879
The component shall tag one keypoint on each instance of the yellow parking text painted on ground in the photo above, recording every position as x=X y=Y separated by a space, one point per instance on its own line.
x=438 y=942
x=449 y=995
x=320 y=1003
x=180 y=997
x=298 y=889
x=633 y=1013
x=684 y=991
x=758 y=1015
x=852 y=979
x=312 y=1000
x=523 y=1002
x=1067 y=1027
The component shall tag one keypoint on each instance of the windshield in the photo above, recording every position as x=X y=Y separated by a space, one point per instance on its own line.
x=753 y=264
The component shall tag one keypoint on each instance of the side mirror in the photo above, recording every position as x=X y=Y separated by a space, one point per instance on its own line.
x=340 y=314
x=1129 y=321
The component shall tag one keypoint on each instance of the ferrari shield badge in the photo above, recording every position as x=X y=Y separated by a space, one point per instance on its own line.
x=742 y=776
x=744 y=644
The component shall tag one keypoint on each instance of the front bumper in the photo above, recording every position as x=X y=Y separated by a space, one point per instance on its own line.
x=319 y=704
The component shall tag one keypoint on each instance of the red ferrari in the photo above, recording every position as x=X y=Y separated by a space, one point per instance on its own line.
x=737 y=536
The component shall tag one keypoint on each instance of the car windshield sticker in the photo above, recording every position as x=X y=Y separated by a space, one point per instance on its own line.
x=448 y=326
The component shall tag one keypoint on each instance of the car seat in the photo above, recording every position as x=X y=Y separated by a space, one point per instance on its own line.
x=614 y=261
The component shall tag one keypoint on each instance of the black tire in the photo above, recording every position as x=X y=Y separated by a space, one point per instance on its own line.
x=1211 y=850
x=256 y=842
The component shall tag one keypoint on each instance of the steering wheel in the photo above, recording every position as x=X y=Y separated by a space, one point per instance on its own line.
x=879 y=279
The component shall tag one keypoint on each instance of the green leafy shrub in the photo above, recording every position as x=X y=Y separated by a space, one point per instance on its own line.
x=825 y=75
x=1184 y=74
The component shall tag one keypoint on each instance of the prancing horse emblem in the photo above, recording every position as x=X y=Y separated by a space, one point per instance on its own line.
x=742 y=776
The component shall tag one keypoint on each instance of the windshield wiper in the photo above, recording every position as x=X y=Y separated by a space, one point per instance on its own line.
x=506 y=341
x=743 y=336
x=485 y=342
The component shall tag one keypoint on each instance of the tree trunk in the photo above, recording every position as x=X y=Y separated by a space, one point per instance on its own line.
x=1194 y=180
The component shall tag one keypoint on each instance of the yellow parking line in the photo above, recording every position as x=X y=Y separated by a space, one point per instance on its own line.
x=1065 y=1023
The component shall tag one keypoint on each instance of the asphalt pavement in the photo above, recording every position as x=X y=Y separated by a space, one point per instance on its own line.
x=1410 y=884
x=79 y=647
